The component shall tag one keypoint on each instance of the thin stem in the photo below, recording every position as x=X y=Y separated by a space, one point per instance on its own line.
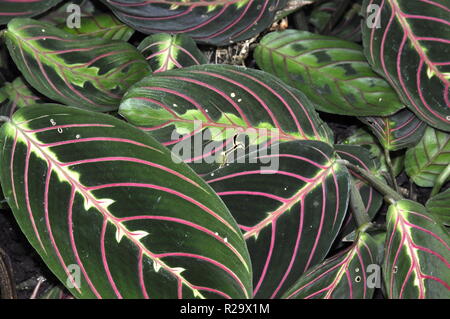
x=442 y=178
x=390 y=194
x=387 y=156
x=4 y=119
x=357 y=205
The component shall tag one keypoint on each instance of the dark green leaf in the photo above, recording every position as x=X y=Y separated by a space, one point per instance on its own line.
x=417 y=259
x=18 y=94
x=220 y=22
x=92 y=73
x=333 y=73
x=10 y=9
x=344 y=276
x=398 y=131
x=290 y=209
x=166 y=52
x=426 y=161
x=99 y=198
x=407 y=42
x=439 y=205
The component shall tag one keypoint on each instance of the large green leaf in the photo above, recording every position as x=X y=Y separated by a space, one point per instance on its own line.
x=333 y=73
x=408 y=43
x=417 y=254
x=428 y=159
x=439 y=205
x=290 y=209
x=10 y=9
x=212 y=104
x=343 y=276
x=103 y=25
x=100 y=198
x=166 y=52
x=398 y=131
x=372 y=199
x=88 y=72
x=218 y=22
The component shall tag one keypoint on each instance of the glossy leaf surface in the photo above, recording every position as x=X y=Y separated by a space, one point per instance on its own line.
x=417 y=254
x=219 y=22
x=426 y=161
x=333 y=73
x=92 y=73
x=343 y=276
x=166 y=52
x=96 y=195
x=289 y=212
x=212 y=104
x=409 y=45
x=398 y=131
x=10 y=9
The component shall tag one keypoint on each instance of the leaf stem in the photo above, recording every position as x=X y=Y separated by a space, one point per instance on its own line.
x=390 y=194
x=442 y=178
x=387 y=156
x=4 y=119
x=357 y=205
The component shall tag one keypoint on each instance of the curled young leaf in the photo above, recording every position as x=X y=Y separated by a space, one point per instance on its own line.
x=407 y=42
x=166 y=52
x=100 y=198
x=333 y=73
x=220 y=22
x=92 y=73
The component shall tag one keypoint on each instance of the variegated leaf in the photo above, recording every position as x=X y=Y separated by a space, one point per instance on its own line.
x=347 y=275
x=100 y=198
x=417 y=254
x=290 y=209
x=408 y=43
x=218 y=22
x=199 y=111
x=333 y=73
x=398 y=131
x=439 y=205
x=18 y=94
x=92 y=73
x=428 y=159
x=10 y=9
x=166 y=52
x=104 y=26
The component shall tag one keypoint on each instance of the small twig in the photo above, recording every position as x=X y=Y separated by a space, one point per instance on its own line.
x=4 y=119
x=442 y=178
x=390 y=194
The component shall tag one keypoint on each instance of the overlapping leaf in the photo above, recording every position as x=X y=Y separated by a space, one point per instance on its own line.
x=100 y=198
x=166 y=52
x=333 y=73
x=407 y=42
x=428 y=159
x=104 y=26
x=18 y=94
x=10 y=9
x=290 y=209
x=201 y=110
x=372 y=199
x=398 y=131
x=88 y=72
x=348 y=275
x=417 y=254
x=439 y=205
x=219 y=22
